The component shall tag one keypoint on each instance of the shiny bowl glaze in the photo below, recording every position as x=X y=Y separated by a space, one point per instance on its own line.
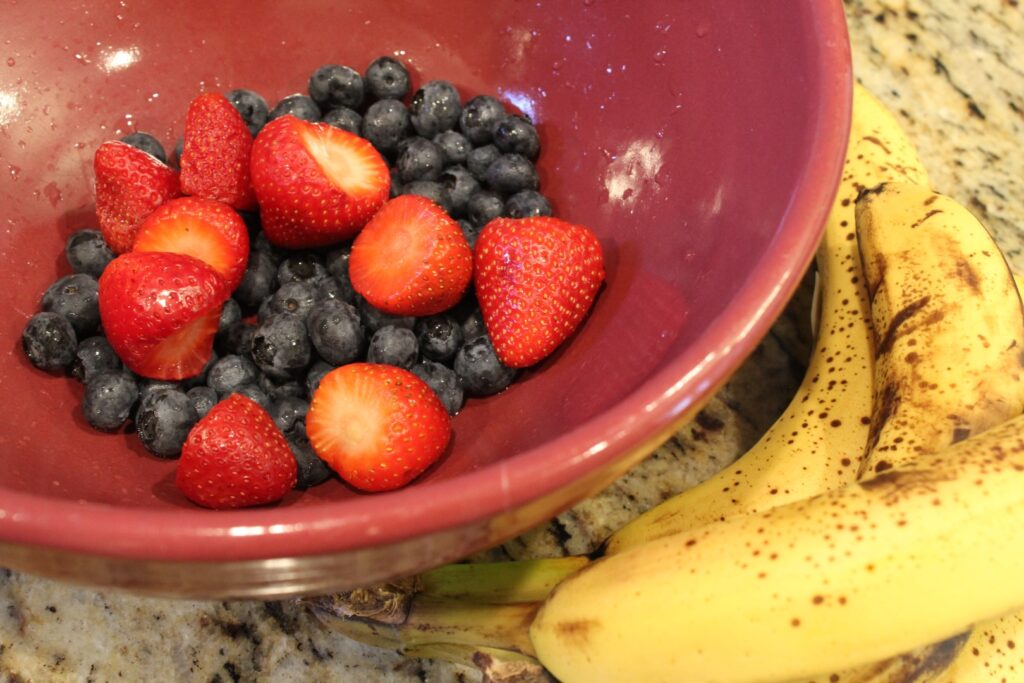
x=702 y=142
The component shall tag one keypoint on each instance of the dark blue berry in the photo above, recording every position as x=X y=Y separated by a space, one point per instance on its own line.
x=511 y=173
x=229 y=373
x=148 y=144
x=333 y=86
x=87 y=252
x=93 y=356
x=345 y=119
x=236 y=340
x=203 y=399
x=299 y=106
x=374 y=318
x=230 y=314
x=526 y=204
x=439 y=337
x=276 y=391
x=148 y=385
x=199 y=379
x=470 y=231
x=516 y=135
x=443 y=381
x=480 y=159
x=336 y=261
x=296 y=298
x=435 y=108
x=312 y=471
x=299 y=267
x=479 y=117
x=479 y=369
x=461 y=185
x=454 y=146
x=49 y=341
x=337 y=332
x=251 y=105
x=259 y=281
x=253 y=392
x=432 y=190
x=163 y=421
x=421 y=159
x=262 y=244
x=109 y=397
x=281 y=346
x=315 y=374
x=483 y=207
x=287 y=411
x=385 y=124
x=395 y=187
x=392 y=345
x=77 y=298
x=335 y=288
x=386 y=78
x=472 y=321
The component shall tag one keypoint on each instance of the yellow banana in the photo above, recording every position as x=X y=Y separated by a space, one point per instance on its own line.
x=817 y=443
x=914 y=555
x=994 y=653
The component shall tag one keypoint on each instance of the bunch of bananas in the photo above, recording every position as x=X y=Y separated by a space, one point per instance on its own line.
x=874 y=534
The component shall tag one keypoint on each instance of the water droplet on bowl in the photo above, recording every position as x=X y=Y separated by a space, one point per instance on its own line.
x=10 y=61
x=703 y=29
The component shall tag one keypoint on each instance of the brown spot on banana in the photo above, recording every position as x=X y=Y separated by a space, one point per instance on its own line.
x=885 y=344
x=922 y=219
x=967 y=274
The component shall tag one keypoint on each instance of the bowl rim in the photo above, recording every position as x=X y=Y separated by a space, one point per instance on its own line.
x=656 y=406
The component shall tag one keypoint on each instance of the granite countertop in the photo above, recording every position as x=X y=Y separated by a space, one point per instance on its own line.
x=954 y=71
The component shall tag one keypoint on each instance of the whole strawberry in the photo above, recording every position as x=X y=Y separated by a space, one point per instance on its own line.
x=535 y=278
x=215 y=157
x=236 y=457
x=129 y=185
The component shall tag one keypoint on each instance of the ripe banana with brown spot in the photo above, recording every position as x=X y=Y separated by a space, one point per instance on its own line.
x=817 y=443
x=912 y=556
x=948 y=323
x=994 y=653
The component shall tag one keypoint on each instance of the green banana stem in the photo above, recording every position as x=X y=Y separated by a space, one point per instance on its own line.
x=499 y=582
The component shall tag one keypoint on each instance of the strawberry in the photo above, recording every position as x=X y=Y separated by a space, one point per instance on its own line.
x=411 y=258
x=206 y=229
x=160 y=312
x=215 y=158
x=236 y=457
x=129 y=185
x=378 y=426
x=316 y=184
x=536 y=278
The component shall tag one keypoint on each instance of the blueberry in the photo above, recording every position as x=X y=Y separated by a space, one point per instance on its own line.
x=454 y=146
x=443 y=381
x=374 y=318
x=421 y=159
x=473 y=324
x=470 y=231
x=109 y=397
x=336 y=332
x=87 y=252
x=516 y=135
x=315 y=374
x=203 y=399
x=461 y=185
x=281 y=346
x=49 y=341
x=259 y=281
x=483 y=207
x=77 y=298
x=345 y=119
x=236 y=340
x=432 y=190
x=229 y=373
x=392 y=345
x=251 y=105
x=333 y=86
x=395 y=188
x=335 y=288
x=299 y=106
x=93 y=356
x=276 y=391
x=439 y=337
x=312 y=471
x=385 y=124
x=253 y=392
x=148 y=144
x=296 y=298
x=511 y=173
x=527 y=203
x=479 y=117
x=299 y=267
x=435 y=108
x=287 y=411
x=480 y=159
x=261 y=243
x=163 y=421
x=148 y=385
x=230 y=314
x=199 y=379
x=336 y=261
x=479 y=369
x=386 y=78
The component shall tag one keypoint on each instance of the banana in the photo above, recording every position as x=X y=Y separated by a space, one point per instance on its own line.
x=948 y=323
x=912 y=556
x=993 y=653
x=817 y=443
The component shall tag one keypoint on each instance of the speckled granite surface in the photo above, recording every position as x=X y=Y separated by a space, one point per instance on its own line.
x=955 y=73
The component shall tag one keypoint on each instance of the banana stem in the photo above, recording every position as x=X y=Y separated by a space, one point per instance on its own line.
x=498 y=666
x=499 y=582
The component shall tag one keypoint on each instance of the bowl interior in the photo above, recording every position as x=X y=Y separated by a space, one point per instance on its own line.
x=679 y=132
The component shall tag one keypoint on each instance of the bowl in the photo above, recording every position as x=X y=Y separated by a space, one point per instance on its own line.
x=701 y=141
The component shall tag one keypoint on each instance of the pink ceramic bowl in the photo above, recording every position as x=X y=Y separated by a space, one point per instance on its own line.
x=702 y=141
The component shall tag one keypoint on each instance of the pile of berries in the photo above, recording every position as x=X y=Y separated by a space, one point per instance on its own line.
x=312 y=289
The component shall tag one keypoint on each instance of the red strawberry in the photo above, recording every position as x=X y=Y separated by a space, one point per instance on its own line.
x=378 y=426
x=235 y=457
x=160 y=312
x=129 y=185
x=215 y=158
x=208 y=230
x=536 y=279
x=411 y=258
x=316 y=184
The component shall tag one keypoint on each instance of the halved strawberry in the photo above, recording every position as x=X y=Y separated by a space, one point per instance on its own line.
x=535 y=278
x=378 y=426
x=411 y=258
x=235 y=457
x=215 y=158
x=206 y=229
x=316 y=184
x=160 y=312
x=129 y=185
